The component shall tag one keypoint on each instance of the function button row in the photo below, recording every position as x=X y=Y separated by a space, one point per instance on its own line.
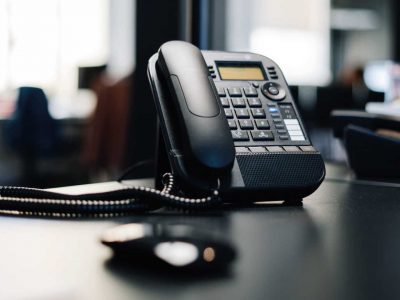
x=241 y=102
x=248 y=124
x=259 y=149
x=272 y=72
x=237 y=92
x=212 y=71
x=257 y=135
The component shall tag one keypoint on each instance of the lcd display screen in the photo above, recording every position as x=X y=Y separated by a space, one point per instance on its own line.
x=241 y=72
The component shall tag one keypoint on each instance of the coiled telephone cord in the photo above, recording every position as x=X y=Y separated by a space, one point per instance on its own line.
x=128 y=200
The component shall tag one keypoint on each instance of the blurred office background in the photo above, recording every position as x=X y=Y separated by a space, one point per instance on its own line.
x=90 y=57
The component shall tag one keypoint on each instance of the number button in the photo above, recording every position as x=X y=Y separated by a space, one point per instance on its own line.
x=221 y=92
x=224 y=102
x=232 y=124
x=228 y=113
x=254 y=102
x=234 y=92
x=262 y=124
x=246 y=124
x=258 y=113
x=242 y=113
x=239 y=135
x=262 y=135
x=250 y=92
x=238 y=102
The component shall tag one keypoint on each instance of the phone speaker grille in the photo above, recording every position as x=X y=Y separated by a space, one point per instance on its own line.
x=272 y=170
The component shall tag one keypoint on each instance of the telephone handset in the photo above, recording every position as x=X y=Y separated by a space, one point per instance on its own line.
x=229 y=121
x=202 y=124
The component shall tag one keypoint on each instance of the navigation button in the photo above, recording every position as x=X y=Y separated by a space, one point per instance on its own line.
x=273 y=90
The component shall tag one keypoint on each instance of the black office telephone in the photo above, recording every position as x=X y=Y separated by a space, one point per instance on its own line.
x=229 y=123
x=231 y=133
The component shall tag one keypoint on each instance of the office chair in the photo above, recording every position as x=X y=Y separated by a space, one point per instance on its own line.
x=31 y=132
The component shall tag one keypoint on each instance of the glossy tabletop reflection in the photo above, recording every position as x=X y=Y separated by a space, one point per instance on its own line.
x=342 y=243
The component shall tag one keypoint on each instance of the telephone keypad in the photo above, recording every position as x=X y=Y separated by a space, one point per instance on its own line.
x=256 y=121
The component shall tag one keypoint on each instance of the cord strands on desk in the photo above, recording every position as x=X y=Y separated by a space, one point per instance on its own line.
x=37 y=202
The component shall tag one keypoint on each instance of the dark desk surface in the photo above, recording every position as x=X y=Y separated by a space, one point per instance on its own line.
x=343 y=243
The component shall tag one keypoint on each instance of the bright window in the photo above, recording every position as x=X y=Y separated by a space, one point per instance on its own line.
x=43 y=42
x=295 y=34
